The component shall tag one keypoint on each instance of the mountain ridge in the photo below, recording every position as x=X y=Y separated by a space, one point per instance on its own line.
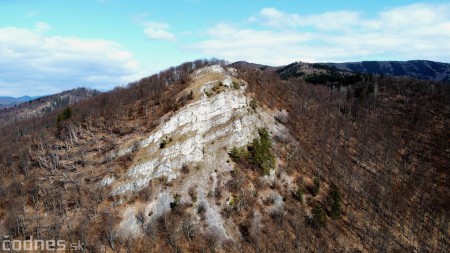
x=7 y=101
x=36 y=106
x=419 y=69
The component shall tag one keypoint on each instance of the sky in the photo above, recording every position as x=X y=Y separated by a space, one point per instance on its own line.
x=48 y=46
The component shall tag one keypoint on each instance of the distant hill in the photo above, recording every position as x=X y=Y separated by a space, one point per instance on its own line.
x=419 y=69
x=28 y=107
x=11 y=101
x=244 y=64
x=426 y=70
x=311 y=72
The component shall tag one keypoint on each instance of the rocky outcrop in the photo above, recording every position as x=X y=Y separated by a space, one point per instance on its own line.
x=198 y=135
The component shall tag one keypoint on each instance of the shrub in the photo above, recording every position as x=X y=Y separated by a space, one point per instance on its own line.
x=236 y=85
x=64 y=115
x=316 y=187
x=335 y=201
x=201 y=209
x=191 y=95
x=260 y=153
x=231 y=202
x=176 y=201
x=185 y=168
x=235 y=154
x=319 y=216
x=193 y=194
x=163 y=144
x=298 y=195
x=253 y=104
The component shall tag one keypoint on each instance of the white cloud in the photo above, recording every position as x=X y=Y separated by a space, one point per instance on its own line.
x=232 y=43
x=158 y=31
x=418 y=31
x=42 y=27
x=327 y=21
x=34 y=63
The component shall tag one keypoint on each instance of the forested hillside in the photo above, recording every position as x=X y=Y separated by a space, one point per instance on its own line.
x=346 y=163
x=427 y=70
x=39 y=106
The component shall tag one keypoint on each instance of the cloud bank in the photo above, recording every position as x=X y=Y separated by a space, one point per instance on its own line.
x=39 y=64
x=417 y=31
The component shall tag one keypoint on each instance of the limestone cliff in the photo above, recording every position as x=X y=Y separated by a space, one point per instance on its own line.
x=199 y=136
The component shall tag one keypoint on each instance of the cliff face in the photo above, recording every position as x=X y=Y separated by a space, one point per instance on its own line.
x=198 y=138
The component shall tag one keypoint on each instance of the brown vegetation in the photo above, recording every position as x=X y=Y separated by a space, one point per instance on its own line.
x=384 y=143
x=380 y=150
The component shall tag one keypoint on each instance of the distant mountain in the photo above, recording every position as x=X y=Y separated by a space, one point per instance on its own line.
x=305 y=70
x=244 y=64
x=419 y=69
x=11 y=101
x=426 y=70
x=28 y=107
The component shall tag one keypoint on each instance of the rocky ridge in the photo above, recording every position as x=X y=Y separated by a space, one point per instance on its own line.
x=198 y=136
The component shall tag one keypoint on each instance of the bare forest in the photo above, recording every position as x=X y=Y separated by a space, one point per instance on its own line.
x=370 y=158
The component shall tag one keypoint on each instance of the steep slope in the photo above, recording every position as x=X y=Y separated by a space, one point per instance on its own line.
x=383 y=143
x=196 y=137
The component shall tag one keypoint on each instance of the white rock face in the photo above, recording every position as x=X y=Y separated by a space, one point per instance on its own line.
x=106 y=181
x=224 y=119
x=209 y=69
x=232 y=71
x=227 y=81
x=199 y=135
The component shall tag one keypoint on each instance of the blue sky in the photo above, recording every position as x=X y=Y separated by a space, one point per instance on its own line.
x=49 y=46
